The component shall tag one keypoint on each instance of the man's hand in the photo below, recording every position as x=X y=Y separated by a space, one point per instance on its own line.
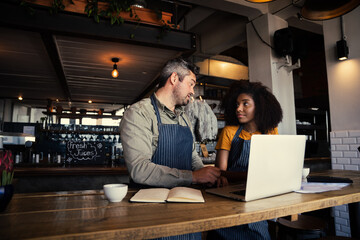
x=206 y=175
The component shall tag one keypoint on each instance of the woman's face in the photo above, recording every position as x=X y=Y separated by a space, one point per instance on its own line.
x=245 y=109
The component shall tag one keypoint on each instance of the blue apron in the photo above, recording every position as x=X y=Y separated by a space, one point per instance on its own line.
x=174 y=150
x=239 y=161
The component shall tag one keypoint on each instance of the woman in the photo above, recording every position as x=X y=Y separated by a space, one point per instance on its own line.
x=249 y=108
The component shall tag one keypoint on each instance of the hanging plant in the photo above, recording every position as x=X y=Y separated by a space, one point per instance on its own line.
x=92 y=9
x=58 y=5
x=164 y=30
x=55 y=7
x=29 y=10
x=114 y=10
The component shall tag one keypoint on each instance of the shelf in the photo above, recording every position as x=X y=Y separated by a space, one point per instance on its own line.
x=310 y=127
x=320 y=159
x=316 y=141
x=206 y=97
x=81 y=132
x=310 y=111
x=72 y=115
x=314 y=124
x=214 y=82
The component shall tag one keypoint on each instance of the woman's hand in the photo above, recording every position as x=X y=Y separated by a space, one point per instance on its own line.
x=222 y=182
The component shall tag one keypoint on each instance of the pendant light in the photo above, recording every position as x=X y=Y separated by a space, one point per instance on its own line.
x=341 y=46
x=318 y=10
x=115 y=72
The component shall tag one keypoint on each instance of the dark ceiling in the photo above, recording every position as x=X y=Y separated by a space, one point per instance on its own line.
x=66 y=59
x=67 y=56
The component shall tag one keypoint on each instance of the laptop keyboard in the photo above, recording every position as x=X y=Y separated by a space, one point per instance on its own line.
x=240 y=192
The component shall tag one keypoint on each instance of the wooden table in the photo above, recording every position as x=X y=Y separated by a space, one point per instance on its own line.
x=88 y=215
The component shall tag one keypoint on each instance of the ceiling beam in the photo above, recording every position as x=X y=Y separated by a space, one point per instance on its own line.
x=238 y=7
x=53 y=53
x=221 y=35
x=195 y=16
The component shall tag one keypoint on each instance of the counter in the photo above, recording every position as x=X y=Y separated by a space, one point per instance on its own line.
x=43 y=179
x=69 y=171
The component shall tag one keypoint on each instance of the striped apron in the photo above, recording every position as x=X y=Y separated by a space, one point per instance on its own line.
x=239 y=161
x=174 y=150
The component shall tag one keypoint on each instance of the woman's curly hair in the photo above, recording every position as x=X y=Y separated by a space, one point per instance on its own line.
x=268 y=112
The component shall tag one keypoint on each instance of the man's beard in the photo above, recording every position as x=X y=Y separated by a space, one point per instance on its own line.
x=179 y=100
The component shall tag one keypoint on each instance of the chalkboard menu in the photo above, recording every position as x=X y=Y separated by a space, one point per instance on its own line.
x=80 y=152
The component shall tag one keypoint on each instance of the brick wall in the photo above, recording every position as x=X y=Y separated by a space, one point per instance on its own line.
x=344 y=155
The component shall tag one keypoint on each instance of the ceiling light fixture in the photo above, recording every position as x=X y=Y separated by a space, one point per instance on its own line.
x=89 y=101
x=341 y=45
x=115 y=72
x=318 y=10
x=20 y=98
x=342 y=50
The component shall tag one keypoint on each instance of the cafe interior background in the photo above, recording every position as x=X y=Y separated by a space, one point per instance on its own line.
x=56 y=85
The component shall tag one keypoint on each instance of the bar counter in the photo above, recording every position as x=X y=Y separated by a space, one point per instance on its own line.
x=70 y=170
x=88 y=215
x=43 y=178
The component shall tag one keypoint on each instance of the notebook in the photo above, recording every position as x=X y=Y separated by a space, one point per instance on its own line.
x=275 y=167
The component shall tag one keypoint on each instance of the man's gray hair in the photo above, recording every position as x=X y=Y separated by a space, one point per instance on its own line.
x=178 y=65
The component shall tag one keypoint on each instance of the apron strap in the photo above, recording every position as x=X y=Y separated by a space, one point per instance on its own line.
x=153 y=102
x=237 y=136
x=184 y=120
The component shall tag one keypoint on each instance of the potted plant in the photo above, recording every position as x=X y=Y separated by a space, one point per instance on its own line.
x=6 y=177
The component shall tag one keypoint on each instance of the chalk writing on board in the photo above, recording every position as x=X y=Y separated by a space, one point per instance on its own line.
x=79 y=151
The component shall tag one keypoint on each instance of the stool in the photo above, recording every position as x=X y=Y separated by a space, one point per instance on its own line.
x=306 y=227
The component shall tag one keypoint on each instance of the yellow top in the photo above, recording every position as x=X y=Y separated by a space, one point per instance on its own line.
x=227 y=134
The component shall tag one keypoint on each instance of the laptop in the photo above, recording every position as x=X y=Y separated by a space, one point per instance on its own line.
x=275 y=167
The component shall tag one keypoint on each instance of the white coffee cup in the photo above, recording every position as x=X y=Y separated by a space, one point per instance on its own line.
x=115 y=192
x=305 y=172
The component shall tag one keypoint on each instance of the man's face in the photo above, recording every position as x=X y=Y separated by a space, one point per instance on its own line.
x=184 y=89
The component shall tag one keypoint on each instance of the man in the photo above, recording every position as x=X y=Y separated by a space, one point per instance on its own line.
x=158 y=144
